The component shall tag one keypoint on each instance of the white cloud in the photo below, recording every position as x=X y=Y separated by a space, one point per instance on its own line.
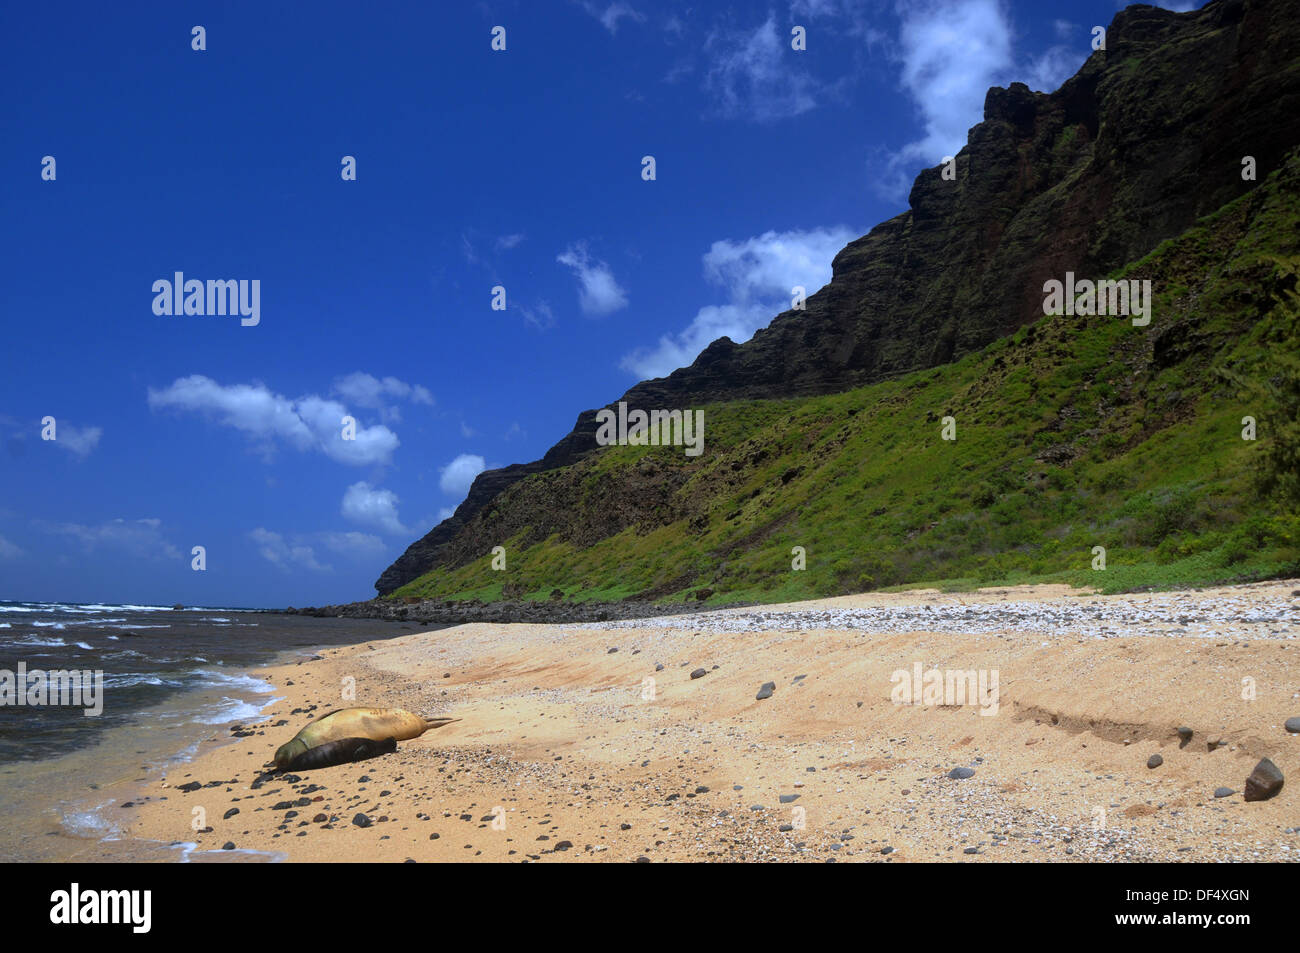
x=507 y=242
x=368 y=506
x=598 y=292
x=445 y=513
x=276 y=551
x=9 y=550
x=540 y=316
x=79 y=441
x=307 y=423
x=366 y=390
x=752 y=74
x=952 y=52
x=141 y=537
x=1054 y=66
x=352 y=543
x=610 y=13
x=458 y=476
x=758 y=275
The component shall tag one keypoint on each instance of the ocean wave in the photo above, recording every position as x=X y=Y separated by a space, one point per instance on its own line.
x=236 y=680
x=48 y=625
x=55 y=642
x=131 y=679
x=231 y=709
x=138 y=626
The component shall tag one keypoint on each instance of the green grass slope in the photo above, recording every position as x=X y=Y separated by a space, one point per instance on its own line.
x=1074 y=433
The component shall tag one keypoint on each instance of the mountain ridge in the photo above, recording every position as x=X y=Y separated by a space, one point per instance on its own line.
x=1146 y=138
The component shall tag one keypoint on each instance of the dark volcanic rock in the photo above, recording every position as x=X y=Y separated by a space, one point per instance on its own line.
x=766 y=691
x=1264 y=782
x=1155 y=761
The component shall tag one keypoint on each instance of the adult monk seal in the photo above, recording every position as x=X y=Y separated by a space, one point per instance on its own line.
x=375 y=724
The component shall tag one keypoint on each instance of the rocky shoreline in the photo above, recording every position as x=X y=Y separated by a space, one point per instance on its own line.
x=435 y=612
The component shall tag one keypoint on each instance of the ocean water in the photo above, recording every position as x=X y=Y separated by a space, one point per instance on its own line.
x=171 y=679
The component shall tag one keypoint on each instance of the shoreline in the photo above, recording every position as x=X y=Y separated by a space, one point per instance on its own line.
x=561 y=756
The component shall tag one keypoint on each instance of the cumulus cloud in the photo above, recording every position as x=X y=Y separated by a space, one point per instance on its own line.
x=598 y=292
x=458 y=476
x=350 y=543
x=370 y=506
x=139 y=537
x=952 y=52
x=758 y=275
x=366 y=390
x=307 y=423
x=276 y=551
x=752 y=76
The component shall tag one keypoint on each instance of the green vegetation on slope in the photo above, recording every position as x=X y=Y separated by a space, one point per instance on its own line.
x=1073 y=433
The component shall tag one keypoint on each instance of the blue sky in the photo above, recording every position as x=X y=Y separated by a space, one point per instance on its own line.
x=474 y=168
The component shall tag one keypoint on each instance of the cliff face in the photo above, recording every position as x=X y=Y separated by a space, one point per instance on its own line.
x=1145 y=139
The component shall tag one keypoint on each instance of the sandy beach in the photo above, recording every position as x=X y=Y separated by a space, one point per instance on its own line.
x=566 y=751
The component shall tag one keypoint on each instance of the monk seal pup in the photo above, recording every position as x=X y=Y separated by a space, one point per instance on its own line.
x=376 y=724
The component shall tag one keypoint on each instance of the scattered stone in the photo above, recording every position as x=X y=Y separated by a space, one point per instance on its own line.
x=960 y=774
x=360 y=820
x=1184 y=736
x=1292 y=725
x=228 y=845
x=788 y=798
x=699 y=673
x=766 y=691
x=1224 y=792
x=1264 y=782
x=1155 y=761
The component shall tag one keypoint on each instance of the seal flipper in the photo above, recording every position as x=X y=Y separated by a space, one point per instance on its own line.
x=343 y=751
